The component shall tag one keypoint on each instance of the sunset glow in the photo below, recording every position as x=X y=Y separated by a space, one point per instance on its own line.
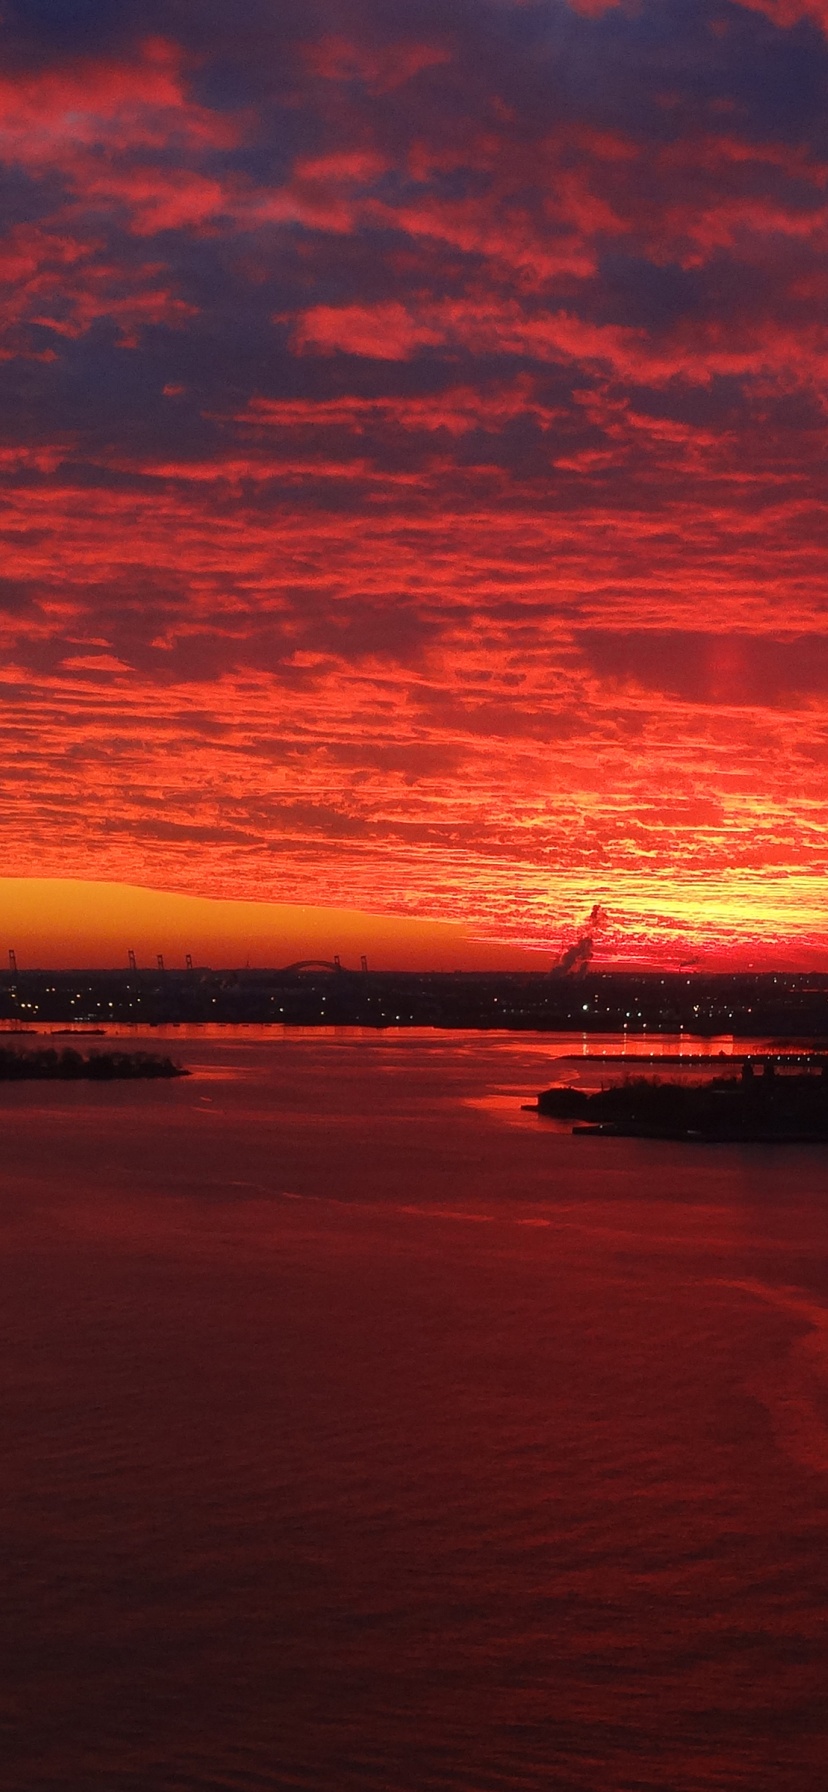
x=66 y=921
x=414 y=437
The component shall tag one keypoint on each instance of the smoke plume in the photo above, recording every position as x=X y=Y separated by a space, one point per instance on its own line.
x=574 y=960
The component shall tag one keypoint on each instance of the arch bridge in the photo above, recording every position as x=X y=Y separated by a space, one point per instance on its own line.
x=314 y=964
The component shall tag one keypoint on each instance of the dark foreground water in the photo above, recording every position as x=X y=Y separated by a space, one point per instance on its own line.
x=358 y=1430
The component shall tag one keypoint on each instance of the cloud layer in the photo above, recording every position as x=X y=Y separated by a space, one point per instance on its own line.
x=413 y=457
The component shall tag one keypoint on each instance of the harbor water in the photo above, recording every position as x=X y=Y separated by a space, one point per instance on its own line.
x=360 y=1429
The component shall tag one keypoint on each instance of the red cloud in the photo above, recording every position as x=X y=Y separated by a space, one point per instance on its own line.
x=84 y=126
x=65 y=283
x=790 y=12
x=386 y=332
x=140 y=103
x=381 y=69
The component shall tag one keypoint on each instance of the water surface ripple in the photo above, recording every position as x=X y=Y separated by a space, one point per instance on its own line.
x=362 y=1431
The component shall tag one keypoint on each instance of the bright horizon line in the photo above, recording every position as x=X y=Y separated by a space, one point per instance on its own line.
x=48 y=919
x=66 y=924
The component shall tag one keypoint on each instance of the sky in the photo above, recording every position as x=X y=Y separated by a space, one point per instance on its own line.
x=72 y=922
x=413 y=442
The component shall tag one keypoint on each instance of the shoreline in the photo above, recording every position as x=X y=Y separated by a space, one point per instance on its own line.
x=67 y=1065
x=772 y=1107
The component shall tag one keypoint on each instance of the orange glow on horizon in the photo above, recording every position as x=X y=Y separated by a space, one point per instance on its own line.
x=70 y=922
x=64 y=922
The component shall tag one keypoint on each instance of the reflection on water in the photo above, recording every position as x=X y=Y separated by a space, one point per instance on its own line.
x=361 y=1430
